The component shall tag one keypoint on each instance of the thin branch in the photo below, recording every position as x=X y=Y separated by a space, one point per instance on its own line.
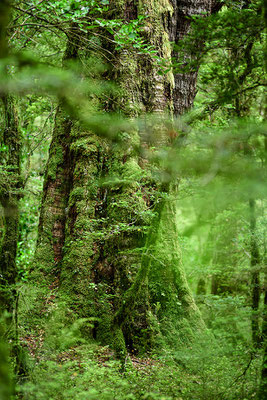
x=57 y=24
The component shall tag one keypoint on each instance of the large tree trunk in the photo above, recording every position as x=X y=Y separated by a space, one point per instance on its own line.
x=91 y=234
x=51 y=231
x=179 y=25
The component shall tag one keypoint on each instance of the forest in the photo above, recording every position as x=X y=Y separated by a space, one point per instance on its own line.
x=133 y=198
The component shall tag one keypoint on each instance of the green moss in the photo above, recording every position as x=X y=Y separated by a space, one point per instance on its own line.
x=76 y=194
x=131 y=171
x=102 y=269
x=118 y=343
x=168 y=286
x=56 y=161
x=83 y=143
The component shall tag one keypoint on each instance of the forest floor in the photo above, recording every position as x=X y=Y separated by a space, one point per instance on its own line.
x=92 y=372
x=88 y=371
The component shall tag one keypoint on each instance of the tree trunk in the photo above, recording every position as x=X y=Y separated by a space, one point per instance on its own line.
x=263 y=382
x=255 y=277
x=91 y=235
x=10 y=194
x=51 y=231
x=179 y=26
x=9 y=198
x=201 y=287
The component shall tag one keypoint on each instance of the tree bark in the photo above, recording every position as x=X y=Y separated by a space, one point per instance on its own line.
x=56 y=190
x=255 y=277
x=9 y=198
x=92 y=233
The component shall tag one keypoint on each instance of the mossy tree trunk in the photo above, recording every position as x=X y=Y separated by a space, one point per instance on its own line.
x=9 y=198
x=263 y=382
x=51 y=230
x=11 y=187
x=10 y=194
x=10 y=183
x=97 y=255
x=255 y=277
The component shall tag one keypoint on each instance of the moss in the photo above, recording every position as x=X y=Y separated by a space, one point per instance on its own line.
x=118 y=343
x=158 y=6
x=161 y=279
x=55 y=162
x=102 y=270
x=9 y=201
x=83 y=143
x=167 y=281
x=132 y=171
x=143 y=89
x=76 y=195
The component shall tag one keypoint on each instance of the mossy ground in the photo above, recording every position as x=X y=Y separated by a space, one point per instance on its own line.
x=63 y=366
x=64 y=363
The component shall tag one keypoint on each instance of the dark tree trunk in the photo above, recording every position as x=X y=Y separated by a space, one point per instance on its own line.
x=255 y=277
x=9 y=198
x=55 y=198
x=201 y=287
x=9 y=192
x=263 y=381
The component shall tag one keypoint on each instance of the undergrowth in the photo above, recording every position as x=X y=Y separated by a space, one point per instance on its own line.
x=65 y=366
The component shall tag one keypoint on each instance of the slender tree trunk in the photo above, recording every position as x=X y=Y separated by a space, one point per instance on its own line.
x=10 y=161
x=255 y=276
x=9 y=199
x=263 y=382
x=10 y=193
x=201 y=287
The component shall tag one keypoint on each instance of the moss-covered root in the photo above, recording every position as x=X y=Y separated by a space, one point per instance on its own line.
x=169 y=292
x=136 y=298
x=119 y=344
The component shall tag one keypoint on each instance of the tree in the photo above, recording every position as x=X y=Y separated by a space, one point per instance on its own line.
x=10 y=163
x=111 y=233
x=10 y=194
x=91 y=234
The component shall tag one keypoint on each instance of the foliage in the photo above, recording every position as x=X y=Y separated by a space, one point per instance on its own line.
x=219 y=159
x=232 y=56
x=206 y=370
